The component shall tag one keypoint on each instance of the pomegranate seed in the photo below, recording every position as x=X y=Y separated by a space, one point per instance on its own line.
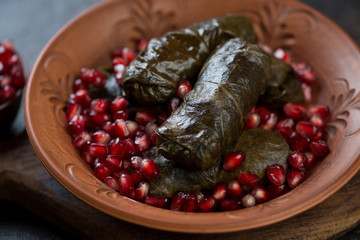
x=79 y=84
x=112 y=182
x=320 y=134
x=100 y=137
x=263 y=113
x=133 y=127
x=199 y=196
x=260 y=195
x=122 y=114
x=270 y=123
x=161 y=118
x=276 y=174
x=117 y=52
x=149 y=169
x=81 y=139
x=233 y=161
x=117 y=147
x=282 y=54
x=306 y=129
x=319 y=109
x=126 y=185
x=153 y=138
x=76 y=125
x=130 y=148
x=136 y=177
x=82 y=97
x=100 y=105
x=248 y=200
x=190 y=204
x=85 y=154
x=219 y=192
x=113 y=162
x=252 y=121
x=307 y=75
x=310 y=161
x=157 y=201
x=128 y=54
x=118 y=61
x=287 y=133
x=207 y=204
x=4 y=80
x=299 y=66
x=127 y=165
x=173 y=104
x=150 y=128
x=229 y=204
x=277 y=191
x=293 y=111
x=317 y=121
x=7 y=94
x=143 y=117
x=98 y=150
x=319 y=148
x=234 y=188
x=285 y=123
x=108 y=127
x=97 y=78
x=142 y=191
x=178 y=201
x=101 y=171
x=295 y=177
x=297 y=160
x=183 y=89
x=142 y=142
x=72 y=110
x=85 y=75
x=120 y=129
x=118 y=104
x=299 y=143
x=143 y=42
x=98 y=161
x=249 y=179
x=136 y=162
x=99 y=119
x=307 y=92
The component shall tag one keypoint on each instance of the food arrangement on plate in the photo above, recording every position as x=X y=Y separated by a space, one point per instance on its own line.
x=201 y=119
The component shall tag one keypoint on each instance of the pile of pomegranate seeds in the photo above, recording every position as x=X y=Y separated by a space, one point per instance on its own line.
x=112 y=140
x=11 y=72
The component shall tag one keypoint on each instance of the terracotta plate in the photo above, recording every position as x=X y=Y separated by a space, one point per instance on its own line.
x=87 y=42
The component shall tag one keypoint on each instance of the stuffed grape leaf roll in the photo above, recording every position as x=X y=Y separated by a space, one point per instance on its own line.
x=262 y=148
x=207 y=124
x=153 y=77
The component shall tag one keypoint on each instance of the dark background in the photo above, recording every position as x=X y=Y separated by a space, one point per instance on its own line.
x=31 y=24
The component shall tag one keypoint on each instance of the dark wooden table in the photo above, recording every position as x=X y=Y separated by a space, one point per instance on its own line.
x=34 y=206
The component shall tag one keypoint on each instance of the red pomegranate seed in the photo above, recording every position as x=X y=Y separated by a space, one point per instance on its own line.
x=82 y=97
x=135 y=162
x=117 y=52
x=108 y=127
x=199 y=196
x=276 y=174
x=4 y=79
x=319 y=109
x=133 y=127
x=122 y=114
x=128 y=54
x=317 y=121
x=297 y=160
x=307 y=92
x=149 y=169
x=98 y=150
x=295 y=177
x=229 y=205
x=307 y=75
x=99 y=119
x=310 y=161
x=7 y=94
x=76 y=125
x=178 y=200
x=120 y=129
x=142 y=191
x=173 y=104
x=130 y=148
x=99 y=105
x=142 y=142
x=207 y=204
x=72 y=110
x=306 y=129
x=142 y=43
x=81 y=139
x=112 y=182
x=97 y=78
x=118 y=61
x=153 y=138
x=101 y=171
x=276 y=191
x=234 y=188
x=319 y=148
x=190 y=204
x=252 y=121
x=233 y=161
x=287 y=133
x=157 y=201
x=249 y=179
x=263 y=113
x=117 y=147
x=100 y=137
x=299 y=143
x=119 y=103
x=320 y=135
x=136 y=177
x=126 y=185
x=183 y=89
x=220 y=192
x=270 y=123
x=260 y=195
x=113 y=162
x=282 y=54
x=285 y=123
x=143 y=117
x=293 y=111
x=150 y=128
x=85 y=154
x=79 y=84
x=161 y=117
x=85 y=75
x=248 y=200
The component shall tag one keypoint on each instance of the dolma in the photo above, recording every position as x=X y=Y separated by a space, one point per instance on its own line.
x=153 y=77
x=207 y=124
x=262 y=148
x=282 y=87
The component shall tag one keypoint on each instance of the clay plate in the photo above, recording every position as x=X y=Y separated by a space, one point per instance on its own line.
x=87 y=42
